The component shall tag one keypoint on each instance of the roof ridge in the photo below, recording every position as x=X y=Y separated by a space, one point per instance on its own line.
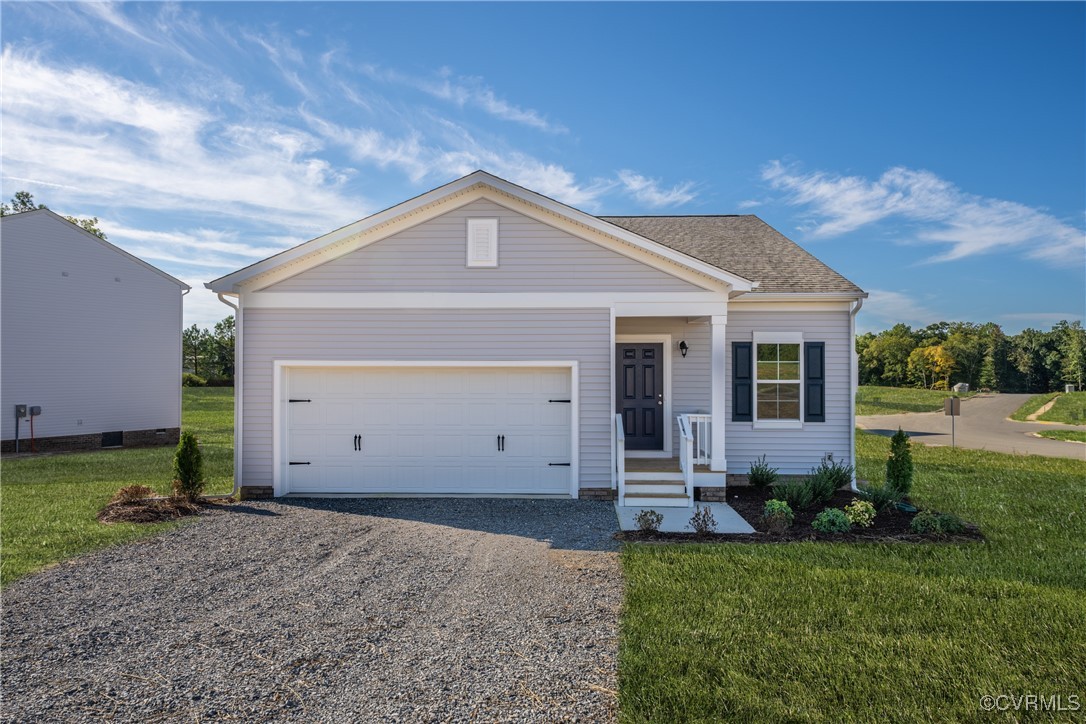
x=672 y=216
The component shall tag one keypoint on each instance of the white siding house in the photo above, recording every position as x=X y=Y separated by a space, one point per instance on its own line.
x=482 y=339
x=91 y=335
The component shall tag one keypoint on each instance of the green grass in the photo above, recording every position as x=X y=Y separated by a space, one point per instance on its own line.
x=1070 y=408
x=874 y=400
x=1032 y=405
x=48 y=504
x=1072 y=435
x=874 y=632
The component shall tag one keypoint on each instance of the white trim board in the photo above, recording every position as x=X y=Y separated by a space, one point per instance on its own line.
x=665 y=339
x=279 y=397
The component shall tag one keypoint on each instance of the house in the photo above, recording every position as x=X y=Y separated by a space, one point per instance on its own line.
x=91 y=336
x=483 y=339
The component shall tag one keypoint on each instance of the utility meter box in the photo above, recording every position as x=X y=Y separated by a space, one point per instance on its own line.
x=35 y=411
x=20 y=411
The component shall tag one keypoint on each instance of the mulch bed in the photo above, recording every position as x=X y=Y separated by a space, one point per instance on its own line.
x=153 y=510
x=890 y=526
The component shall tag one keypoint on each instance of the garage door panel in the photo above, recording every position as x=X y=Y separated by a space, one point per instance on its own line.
x=429 y=430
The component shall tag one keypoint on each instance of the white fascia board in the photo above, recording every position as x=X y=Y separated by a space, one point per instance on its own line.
x=624 y=303
x=800 y=297
x=458 y=193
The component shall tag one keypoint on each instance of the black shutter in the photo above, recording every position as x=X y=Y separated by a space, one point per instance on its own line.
x=814 y=383
x=742 y=382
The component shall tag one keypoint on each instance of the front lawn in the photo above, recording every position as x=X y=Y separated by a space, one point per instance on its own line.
x=1071 y=435
x=870 y=632
x=49 y=503
x=874 y=400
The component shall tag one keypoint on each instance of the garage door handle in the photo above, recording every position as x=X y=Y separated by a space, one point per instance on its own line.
x=501 y=443
x=358 y=443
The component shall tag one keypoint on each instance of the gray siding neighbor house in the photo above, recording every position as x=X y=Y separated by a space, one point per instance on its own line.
x=483 y=339
x=91 y=335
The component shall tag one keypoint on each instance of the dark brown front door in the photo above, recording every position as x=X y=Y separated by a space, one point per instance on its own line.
x=639 y=397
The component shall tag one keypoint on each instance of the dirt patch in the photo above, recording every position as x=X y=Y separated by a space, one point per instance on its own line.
x=152 y=510
x=890 y=526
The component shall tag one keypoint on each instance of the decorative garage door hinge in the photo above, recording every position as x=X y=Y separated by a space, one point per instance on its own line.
x=558 y=465
x=294 y=462
x=299 y=400
x=568 y=401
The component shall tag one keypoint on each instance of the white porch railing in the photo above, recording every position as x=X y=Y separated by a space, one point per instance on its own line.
x=701 y=427
x=620 y=459
x=686 y=457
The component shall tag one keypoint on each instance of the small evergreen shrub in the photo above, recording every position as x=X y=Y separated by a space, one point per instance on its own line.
x=797 y=494
x=131 y=493
x=861 y=513
x=761 y=474
x=928 y=523
x=649 y=521
x=777 y=515
x=702 y=521
x=838 y=472
x=822 y=484
x=899 y=466
x=831 y=520
x=883 y=497
x=190 y=380
x=188 y=468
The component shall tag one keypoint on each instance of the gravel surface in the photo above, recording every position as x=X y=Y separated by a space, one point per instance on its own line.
x=328 y=610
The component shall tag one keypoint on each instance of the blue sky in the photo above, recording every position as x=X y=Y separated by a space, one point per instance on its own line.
x=933 y=153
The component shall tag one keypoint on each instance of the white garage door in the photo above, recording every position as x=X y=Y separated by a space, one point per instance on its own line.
x=489 y=430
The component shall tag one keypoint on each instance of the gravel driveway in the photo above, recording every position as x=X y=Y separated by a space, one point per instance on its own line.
x=328 y=610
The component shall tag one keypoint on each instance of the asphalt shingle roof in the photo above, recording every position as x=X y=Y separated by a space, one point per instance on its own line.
x=743 y=245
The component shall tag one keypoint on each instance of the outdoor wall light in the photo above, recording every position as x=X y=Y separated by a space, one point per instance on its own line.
x=684 y=347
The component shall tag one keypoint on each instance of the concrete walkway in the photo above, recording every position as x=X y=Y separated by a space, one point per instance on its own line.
x=677 y=520
x=983 y=425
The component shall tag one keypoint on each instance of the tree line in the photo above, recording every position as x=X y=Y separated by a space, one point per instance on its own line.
x=943 y=354
x=209 y=353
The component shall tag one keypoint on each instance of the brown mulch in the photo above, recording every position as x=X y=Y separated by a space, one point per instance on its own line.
x=153 y=510
x=890 y=526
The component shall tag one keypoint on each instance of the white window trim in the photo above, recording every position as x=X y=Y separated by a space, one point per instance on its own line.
x=492 y=224
x=776 y=338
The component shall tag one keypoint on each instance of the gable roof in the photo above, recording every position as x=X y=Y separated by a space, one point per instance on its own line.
x=93 y=237
x=745 y=245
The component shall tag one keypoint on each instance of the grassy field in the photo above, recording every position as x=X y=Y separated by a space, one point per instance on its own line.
x=1072 y=435
x=1070 y=409
x=892 y=632
x=874 y=400
x=48 y=504
x=1032 y=405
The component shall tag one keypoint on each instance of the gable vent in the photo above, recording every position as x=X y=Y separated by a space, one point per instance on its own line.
x=482 y=242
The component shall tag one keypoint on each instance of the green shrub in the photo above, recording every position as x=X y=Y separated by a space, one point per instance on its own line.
x=131 y=493
x=191 y=380
x=831 y=520
x=797 y=494
x=777 y=515
x=649 y=521
x=822 y=485
x=702 y=521
x=883 y=497
x=861 y=513
x=839 y=472
x=899 y=466
x=927 y=522
x=188 y=468
x=761 y=474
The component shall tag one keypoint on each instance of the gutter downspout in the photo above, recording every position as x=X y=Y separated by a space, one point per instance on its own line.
x=181 y=358
x=854 y=380
x=237 y=398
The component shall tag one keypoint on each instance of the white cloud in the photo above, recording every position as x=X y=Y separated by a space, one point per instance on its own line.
x=884 y=308
x=649 y=192
x=941 y=212
x=749 y=204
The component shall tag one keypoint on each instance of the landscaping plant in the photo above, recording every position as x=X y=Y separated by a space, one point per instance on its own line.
x=761 y=474
x=927 y=522
x=899 y=466
x=861 y=513
x=883 y=497
x=702 y=521
x=648 y=521
x=131 y=493
x=190 y=380
x=777 y=516
x=188 y=468
x=831 y=520
x=798 y=494
x=822 y=484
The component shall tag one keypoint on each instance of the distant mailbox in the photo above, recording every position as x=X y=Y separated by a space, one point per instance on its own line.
x=952 y=406
x=961 y=387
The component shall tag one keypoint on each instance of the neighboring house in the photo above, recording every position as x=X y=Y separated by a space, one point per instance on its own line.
x=91 y=335
x=485 y=339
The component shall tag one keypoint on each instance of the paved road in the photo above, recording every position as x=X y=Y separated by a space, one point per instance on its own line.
x=983 y=425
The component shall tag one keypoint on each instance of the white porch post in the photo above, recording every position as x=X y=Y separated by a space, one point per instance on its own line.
x=718 y=462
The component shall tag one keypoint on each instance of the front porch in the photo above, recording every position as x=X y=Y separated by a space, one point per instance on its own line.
x=667 y=482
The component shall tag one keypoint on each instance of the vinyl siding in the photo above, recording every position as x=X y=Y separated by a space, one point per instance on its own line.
x=794 y=451
x=96 y=354
x=690 y=376
x=446 y=334
x=532 y=257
